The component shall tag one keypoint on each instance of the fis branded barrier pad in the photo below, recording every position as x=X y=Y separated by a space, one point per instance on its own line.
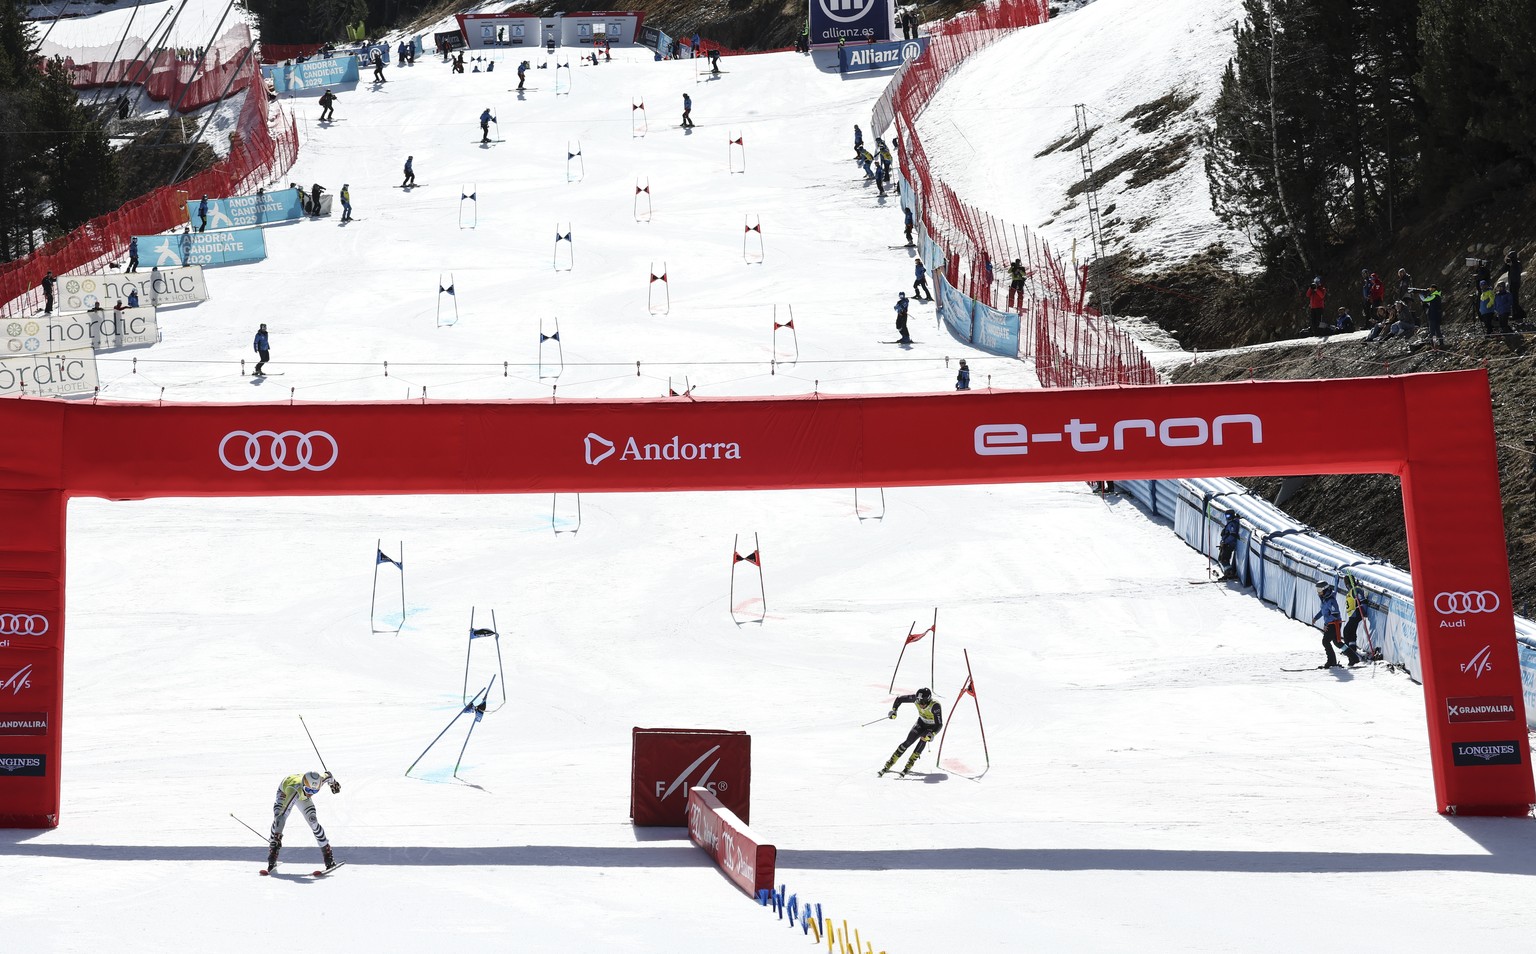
x=666 y=763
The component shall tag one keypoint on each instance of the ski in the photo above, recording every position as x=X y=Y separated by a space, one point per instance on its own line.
x=413 y=185
x=322 y=872
x=901 y=246
x=902 y=342
x=1311 y=668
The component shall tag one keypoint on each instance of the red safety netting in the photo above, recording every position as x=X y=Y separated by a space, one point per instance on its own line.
x=1071 y=345
x=259 y=151
x=279 y=52
x=167 y=75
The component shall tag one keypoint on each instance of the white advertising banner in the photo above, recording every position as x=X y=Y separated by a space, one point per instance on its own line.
x=63 y=374
x=181 y=285
x=100 y=330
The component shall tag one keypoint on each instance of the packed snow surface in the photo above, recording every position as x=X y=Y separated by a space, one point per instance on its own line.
x=1156 y=782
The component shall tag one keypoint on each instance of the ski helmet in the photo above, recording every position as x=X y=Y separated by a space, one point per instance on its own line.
x=1324 y=586
x=312 y=782
x=924 y=696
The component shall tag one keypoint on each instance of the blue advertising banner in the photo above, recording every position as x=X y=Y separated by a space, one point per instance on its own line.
x=954 y=308
x=995 y=331
x=364 y=54
x=244 y=211
x=880 y=56
x=201 y=248
x=312 y=74
x=853 y=21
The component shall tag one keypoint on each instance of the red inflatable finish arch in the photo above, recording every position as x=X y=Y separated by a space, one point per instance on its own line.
x=1434 y=430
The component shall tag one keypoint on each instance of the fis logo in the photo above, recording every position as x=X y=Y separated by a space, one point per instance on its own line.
x=18 y=680
x=664 y=790
x=1479 y=663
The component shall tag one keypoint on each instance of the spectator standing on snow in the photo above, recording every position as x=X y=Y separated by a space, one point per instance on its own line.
x=133 y=255
x=314 y=198
x=1317 y=297
x=901 y=318
x=1503 y=306
x=963 y=378
x=48 y=292
x=1434 y=309
x=906 y=223
x=1231 y=529
x=133 y=298
x=261 y=345
x=920 y=281
x=378 y=67
x=202 y=213
x=346 y=202
x=327 y=106
x=1512 y=266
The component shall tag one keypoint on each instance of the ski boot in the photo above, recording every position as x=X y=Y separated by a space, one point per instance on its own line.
x=911 y=760
x=274 y=846
x=330 y=860
x=888 y=763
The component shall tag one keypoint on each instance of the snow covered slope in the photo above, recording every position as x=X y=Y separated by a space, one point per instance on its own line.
x=1003 y=133
x=1156 y=782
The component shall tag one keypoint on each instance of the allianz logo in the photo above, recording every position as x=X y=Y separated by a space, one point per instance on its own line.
x=874 y=57
x=599 y=448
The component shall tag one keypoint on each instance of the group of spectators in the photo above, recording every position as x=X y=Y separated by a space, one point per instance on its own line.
x=1492 y=299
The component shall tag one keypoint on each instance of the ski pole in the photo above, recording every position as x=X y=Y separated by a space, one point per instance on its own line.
x=881 y=719
x=313 y=745
x=253 y=831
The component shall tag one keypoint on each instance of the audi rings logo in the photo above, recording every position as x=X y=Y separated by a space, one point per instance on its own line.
x=23 y=624
x=1468 y=601
x=278 y=450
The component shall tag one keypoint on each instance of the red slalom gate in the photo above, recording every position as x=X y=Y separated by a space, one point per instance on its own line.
x=1434 y=431
x=738 y=851
x=666 y=763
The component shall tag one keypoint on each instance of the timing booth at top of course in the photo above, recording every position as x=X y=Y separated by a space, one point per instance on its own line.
x=523 y=31
x=1435 y=431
